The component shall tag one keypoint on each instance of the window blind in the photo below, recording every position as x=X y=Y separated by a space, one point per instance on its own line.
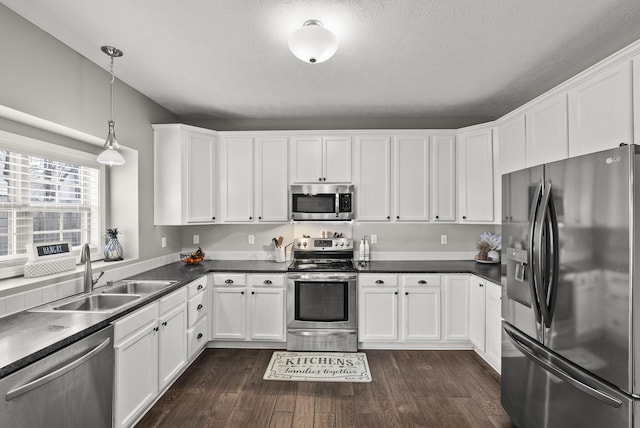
x=43 y=200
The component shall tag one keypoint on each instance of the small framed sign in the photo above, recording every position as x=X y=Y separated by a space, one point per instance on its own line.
x=48 y=250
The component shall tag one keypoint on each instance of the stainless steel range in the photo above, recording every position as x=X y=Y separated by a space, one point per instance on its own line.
x=322 y=310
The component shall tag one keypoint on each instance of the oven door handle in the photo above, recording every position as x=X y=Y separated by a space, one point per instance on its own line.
x=322 y=277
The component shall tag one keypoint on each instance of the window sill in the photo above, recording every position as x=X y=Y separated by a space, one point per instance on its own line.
x=20 y=284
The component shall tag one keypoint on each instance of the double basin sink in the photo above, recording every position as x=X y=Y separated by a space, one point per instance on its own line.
x=113 y=296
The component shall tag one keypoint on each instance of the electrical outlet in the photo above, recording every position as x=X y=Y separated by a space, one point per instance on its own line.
x=443 y=239
x=251 y=239
x=164 y=242
x=196 y=239
x=374 y=239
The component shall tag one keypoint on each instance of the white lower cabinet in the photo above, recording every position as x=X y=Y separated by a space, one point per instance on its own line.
x=456 y=307
x=197 y=314
x=150 y=351
x=256 y=301
x=486 y=320
x=384 y=317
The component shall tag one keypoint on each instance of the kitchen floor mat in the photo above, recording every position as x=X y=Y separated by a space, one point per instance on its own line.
x=318 y=367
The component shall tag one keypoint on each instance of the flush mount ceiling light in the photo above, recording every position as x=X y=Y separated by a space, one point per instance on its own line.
x=111 y=156
x=313 y=43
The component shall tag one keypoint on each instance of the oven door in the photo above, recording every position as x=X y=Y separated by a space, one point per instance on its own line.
x=321 y=301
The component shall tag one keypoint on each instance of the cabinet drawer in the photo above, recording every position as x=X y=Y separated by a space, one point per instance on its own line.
x=378 y=280
x=172 y=300
x=197 y=286
x=197 y=336
x=198 y=308
x=134 y=321
x=266 y=280
x=423 y=280
x=229 y=279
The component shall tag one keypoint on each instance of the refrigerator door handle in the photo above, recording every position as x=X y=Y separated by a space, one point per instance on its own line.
x=551 y=368
x=551 y=290
x=546 y=284
x=535 y=204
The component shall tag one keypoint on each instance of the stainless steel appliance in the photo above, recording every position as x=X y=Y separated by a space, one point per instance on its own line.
x=571 y=306
x=73 y=387
x=322 y=296
x=322 y=202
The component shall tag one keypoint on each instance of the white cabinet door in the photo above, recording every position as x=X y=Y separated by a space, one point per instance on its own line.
x=229 y=313
x=547 y=131
x=477 y=313
x=378 y=314
x=420 y=313
x=271 y=184
x=373 y=155
x=443 y=179
x=185 y=175
x=306 y=159
x=512 y=141
x=267 y=314
x=236 y=156
x=456 y=307
x=411 y=178
x=601 y=111
x=337 y=159
x=136 y=374
x=494 y=325
x=476 y=176
x=172 y=344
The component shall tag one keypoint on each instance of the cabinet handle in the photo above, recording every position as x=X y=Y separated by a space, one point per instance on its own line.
x=164 y=324
x=229 y=281
x=267 y=282
x=213 y=218
x=379 y=281
x=200 y=287
x=324 y=178
x=406 y=293
x=199 y=336
x=480 y=285
x=199 y=307
x=242 y=292
x=259 y=217
x=250 y=218
x=253 y=292
x=388 y=217
x=397 y=216
x=395 y=292
x=422 y=282
x=437 y=217
x=464 y=217
x=320 y=179
x=156 y=328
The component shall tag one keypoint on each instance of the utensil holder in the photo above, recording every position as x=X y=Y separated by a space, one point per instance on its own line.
x=278 y=254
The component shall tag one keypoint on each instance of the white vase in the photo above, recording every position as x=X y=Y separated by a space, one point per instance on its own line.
x=494 y=256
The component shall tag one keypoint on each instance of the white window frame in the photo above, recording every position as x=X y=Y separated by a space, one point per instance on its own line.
x=30 y=146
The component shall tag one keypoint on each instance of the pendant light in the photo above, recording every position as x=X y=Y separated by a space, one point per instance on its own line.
x=111 y=156
x=313 y=43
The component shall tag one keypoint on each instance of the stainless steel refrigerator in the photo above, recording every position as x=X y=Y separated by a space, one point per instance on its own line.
x=570 y=307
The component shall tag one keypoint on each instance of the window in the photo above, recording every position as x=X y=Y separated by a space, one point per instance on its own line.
x=46 y=196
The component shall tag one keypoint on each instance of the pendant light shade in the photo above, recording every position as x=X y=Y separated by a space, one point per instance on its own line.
x=111 y=156
x=313 y=43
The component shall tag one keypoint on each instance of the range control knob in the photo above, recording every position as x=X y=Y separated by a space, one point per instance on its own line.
x=335 y=243
x=348 y=244
x=299 y=245
x=304 y=244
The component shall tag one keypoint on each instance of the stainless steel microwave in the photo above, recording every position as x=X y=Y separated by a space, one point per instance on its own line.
x=322 y=202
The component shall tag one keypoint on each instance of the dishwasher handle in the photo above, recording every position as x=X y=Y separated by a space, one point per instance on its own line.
x=14 y=393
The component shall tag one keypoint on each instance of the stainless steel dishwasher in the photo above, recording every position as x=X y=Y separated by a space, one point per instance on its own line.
x=73 y=387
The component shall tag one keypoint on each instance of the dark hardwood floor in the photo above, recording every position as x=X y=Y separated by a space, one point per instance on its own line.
x=224 y=388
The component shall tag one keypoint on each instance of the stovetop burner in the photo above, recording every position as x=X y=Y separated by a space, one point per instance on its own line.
x=322 y=255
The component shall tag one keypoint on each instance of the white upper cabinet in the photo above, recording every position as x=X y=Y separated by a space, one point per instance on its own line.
x=547 y=131
x=373 y=177
x=600 y=111
x=321 y=159
x=185 y=175
x=512 y=141
x=443 y=178
x=411 y=178
x=476 y=176
x=236 y=175
x=271 y=179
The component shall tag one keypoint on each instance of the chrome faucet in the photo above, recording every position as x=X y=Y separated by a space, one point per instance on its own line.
x=85 y=257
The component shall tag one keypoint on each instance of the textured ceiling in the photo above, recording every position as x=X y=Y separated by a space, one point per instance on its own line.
x=436 y=59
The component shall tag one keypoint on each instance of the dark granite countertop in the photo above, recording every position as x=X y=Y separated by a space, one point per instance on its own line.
x=26 y=337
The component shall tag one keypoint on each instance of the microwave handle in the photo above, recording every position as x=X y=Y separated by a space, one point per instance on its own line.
x=337 y=203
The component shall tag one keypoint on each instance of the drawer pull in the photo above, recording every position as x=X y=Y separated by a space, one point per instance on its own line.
x=199 y=307
x=156 y=328
x=422 y=282
x=229 y=281
x=199 y=336
x=164 y=323
x=267 y=282
x=379 y=281
x=200 y=287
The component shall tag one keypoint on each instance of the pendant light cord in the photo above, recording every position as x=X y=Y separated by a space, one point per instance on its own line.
x=113 y=78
